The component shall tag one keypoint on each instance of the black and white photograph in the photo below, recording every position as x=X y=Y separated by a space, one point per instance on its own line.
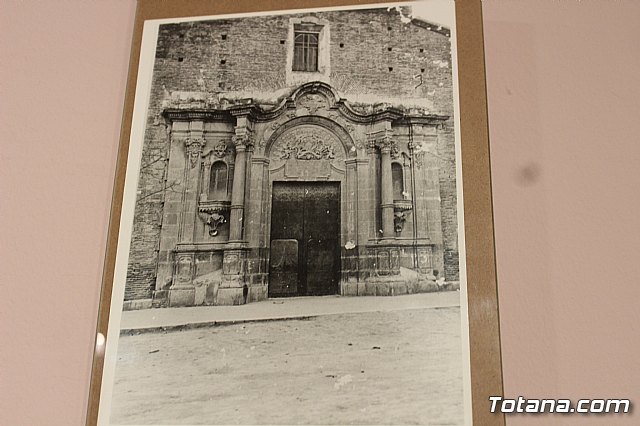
x=291 y=246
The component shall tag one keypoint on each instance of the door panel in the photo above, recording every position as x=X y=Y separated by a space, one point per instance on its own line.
x=283 y=268
x=321 y=230
x=305 y=225
x=286 y=227
x=287 y=211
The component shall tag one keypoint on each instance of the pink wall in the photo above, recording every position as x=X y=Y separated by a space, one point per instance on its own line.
x=564 y=98
x=564 y=113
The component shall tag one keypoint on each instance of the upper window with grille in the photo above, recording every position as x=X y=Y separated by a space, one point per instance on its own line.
x=305 y=52
x=308 y=57
x=305 y=47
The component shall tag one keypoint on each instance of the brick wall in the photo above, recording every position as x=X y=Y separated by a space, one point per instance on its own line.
x=374 y=58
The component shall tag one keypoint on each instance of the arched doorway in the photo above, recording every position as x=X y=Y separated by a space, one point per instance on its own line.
x=307 y=174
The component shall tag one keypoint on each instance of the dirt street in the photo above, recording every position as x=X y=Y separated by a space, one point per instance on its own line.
x=401 y=367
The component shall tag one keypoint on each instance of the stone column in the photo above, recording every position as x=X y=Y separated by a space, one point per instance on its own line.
x=386 y=192
x=242 y=141
x=234 y=290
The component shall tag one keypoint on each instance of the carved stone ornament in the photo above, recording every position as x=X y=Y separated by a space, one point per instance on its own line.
x=359 y=143
x=231 y=264
x=307 y=142
x=417 y=153
x=183 y=268
x=344 y=123
x=243 y=137
x=399 y=218
x=349 y=127
x=395 y=153
x=212 y=213
x=220 y=149
x=312 y=102
x=215 y=220
x=386 y=142
x=307 y=147
x=194 y=149
x=418 y=158
x=401 y=211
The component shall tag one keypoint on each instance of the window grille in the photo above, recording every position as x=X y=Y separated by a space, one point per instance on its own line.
x=305 y=51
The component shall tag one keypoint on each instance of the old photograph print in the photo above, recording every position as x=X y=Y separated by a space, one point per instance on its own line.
x=292 y=230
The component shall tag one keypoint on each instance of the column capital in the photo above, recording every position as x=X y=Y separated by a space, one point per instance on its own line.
x=386 y=143
x=243 y=138
x=383 y=140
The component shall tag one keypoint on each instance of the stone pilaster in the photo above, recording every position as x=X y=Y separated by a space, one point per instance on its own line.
x=193 y=150
x=182 y=291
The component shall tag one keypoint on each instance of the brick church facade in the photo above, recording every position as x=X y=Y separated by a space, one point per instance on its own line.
x=301 y=154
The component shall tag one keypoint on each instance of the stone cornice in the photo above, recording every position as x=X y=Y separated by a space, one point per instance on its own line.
x=197 y=115
x=255 y=113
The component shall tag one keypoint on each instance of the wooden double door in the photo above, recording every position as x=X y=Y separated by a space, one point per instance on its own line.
x=305 y=245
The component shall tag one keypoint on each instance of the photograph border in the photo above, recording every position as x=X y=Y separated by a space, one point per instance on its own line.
x=478 y=248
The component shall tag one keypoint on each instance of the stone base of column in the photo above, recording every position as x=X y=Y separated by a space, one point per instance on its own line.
x=389 y=286
x=232 y=295
x=182 y=296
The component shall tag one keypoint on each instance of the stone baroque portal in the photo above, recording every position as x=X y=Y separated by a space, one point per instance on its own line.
x=260 y=175
x=224 y=220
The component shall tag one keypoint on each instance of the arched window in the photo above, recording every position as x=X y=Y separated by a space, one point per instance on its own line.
x=397 y=178
x=218 y=181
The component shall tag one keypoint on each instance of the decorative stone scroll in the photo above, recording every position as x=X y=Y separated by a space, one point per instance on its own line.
x=194 y=149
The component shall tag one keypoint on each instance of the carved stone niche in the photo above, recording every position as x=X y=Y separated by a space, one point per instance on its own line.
x=214 y=213
x=401 y=211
